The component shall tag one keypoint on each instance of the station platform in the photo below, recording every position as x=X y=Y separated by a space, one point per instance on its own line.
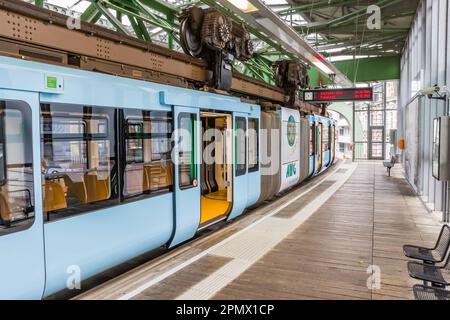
x=320 y=241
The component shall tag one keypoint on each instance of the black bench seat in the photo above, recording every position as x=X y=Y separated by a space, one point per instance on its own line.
x=438 y=276
x=431 y=255
x=430 y=293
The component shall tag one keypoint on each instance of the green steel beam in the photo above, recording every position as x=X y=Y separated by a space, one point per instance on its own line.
x=351 y=16
x=170 y=40
x=149 y=17
x=161 y=6
x=139 y=29
x=102 y=7
x=316 y=5
x=363 y=70
x=91 y=14
x=39 y=3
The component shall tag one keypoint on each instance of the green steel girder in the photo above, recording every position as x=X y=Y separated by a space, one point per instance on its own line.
x=139 y=29
x=102 y=7
x=316 y=5
x=161 y=6
x=135 y=9
x=363 y=70
x=351 y=16
x=91 y=13
x=364 y=43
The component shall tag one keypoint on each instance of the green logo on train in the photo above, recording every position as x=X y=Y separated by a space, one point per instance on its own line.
x=291 y=170
x=291 y=131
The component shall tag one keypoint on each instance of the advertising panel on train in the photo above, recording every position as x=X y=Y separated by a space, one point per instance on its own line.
x=290 y=148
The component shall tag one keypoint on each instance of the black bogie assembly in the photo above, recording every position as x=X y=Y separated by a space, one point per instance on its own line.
x=291 y=75
x=208 y=34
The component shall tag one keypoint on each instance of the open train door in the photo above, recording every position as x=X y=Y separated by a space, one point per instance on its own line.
x=186 y=157
x=21 y=219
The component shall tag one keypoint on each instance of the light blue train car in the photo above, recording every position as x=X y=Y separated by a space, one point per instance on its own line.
x=86 y=178
x=96 y=169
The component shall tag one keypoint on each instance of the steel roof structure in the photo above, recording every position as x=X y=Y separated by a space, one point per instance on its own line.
x=327 y=30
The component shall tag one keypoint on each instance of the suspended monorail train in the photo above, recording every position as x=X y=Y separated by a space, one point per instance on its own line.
x=88 y=179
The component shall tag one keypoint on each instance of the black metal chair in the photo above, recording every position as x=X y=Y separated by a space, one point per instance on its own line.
x=433 y=255
x=438 y=276
x=430 y=293
x=390 y=164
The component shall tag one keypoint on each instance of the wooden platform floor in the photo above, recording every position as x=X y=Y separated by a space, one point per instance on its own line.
x=302 y=249
x=366 y=222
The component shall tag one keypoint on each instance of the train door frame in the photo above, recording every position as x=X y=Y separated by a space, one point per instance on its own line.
x=312 y=146
x=186 y=199
x=228 y=157
x=240 y=184
x=22 y=252
x=333 y=143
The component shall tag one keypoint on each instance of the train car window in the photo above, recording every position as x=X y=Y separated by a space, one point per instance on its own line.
x=79 y=163
x=148 y=166
x=312 y=146
x=325 y=138
x=253 y=141
x=241 y=146
x=16 y=152
x=187 y=167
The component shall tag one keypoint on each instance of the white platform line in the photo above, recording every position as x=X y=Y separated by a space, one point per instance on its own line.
x=247 y=249
x=168 y=273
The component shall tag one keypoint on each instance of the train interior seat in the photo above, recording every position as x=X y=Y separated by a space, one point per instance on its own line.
x=157 y=175
x=5 y=212
x=97 y=189
x=76 y=189
x=54 y=197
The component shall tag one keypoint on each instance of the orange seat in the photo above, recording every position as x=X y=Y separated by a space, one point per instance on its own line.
x=76 y=189
x=146 y=178
x=54 y=197
x=97 y=189
x=157 y=175
x=5 y=212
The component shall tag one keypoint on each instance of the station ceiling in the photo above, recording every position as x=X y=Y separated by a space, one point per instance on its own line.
x=337 y=29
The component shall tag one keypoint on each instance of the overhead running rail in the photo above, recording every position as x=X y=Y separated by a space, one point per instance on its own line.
x=259 y=16
x=33 y=33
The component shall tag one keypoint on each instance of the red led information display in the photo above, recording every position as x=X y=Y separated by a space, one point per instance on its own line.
x=334 y=95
